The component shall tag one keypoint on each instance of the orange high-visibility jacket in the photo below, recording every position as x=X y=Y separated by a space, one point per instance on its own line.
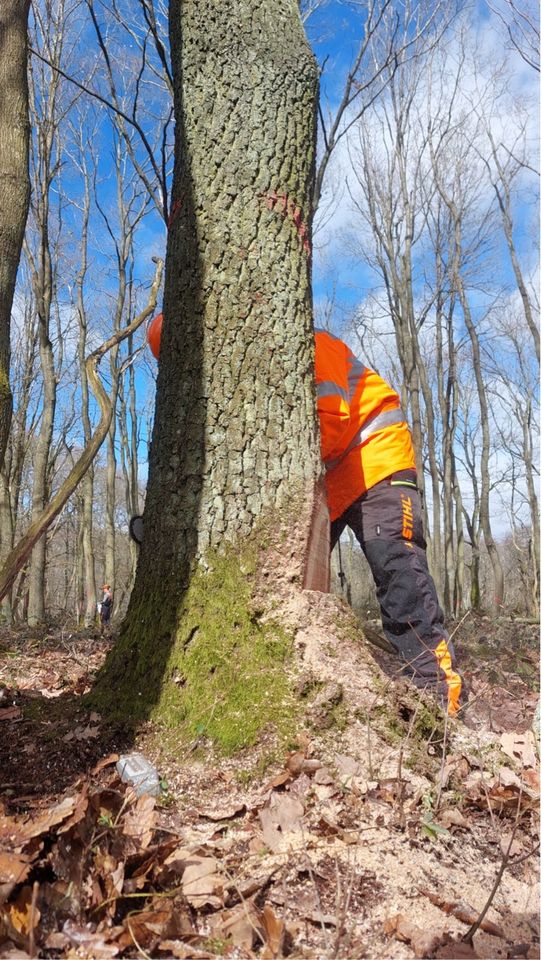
x=364 y=436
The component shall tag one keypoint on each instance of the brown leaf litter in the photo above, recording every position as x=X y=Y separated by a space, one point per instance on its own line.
x=342 y=850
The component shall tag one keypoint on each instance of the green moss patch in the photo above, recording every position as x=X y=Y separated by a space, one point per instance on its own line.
x=227 y=674
x=223 y=675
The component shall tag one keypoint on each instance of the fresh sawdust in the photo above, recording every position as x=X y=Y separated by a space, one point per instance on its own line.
x=378 y=833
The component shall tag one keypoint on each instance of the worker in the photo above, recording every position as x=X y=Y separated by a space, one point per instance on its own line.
x=105 y=609
x=371 y=484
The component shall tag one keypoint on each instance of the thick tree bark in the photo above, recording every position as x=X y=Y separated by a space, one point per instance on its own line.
x=14 y=179
x=235 y=447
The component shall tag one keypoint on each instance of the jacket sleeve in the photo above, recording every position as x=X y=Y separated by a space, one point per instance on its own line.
x=332 y=394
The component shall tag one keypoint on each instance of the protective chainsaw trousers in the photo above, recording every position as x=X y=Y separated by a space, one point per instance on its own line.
x=387 y=522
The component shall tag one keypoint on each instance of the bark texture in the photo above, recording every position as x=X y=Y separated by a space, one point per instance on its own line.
x=235 y=426
x=14 y=179
x=235 y=446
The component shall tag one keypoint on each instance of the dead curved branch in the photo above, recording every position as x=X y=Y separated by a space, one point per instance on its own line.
x=18 y=556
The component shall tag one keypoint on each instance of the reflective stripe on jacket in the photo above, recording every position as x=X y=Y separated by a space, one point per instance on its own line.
x=364 y=436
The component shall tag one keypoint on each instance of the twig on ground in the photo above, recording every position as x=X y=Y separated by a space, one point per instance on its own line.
x=400 y=798
x=459 y=624
x=318 y=898
x=506 y=862
x=137 y=944
x=442 y=764
x=31 y=935
x=342 y=911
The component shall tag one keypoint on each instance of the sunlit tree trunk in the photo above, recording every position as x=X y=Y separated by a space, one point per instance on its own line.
x=40 y=260
x=235 y=449
x=14 y=180
x=19 y=449
x=87 y=485
x=458 y=593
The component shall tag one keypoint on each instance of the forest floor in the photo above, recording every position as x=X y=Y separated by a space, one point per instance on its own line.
x=352 y=844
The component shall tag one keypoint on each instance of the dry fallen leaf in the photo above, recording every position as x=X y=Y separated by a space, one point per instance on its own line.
x=82 y=733
x=81 y=807
x=97 y=945
x=105 y=762
x=462 y=911
x=202 y=884
x=282 y=815
x=508 y=777
x=56 y=814
x=295 y=761
x=515 y=850
x=531 y=779
x=14 y=867
x=223 y=813
x=277 y=781
x=520 y=747
x=9 y=713
x=274 y=930
x=348 y=768
x=323 y=776
x=163 y=919
x=240 y=925
x=423 y=942
x=456 y=767
x=140 y=820
x=22 y=917
x=451 y=817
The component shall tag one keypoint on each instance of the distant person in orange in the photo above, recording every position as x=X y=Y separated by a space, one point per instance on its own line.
x=106 y=607
x=371 y=484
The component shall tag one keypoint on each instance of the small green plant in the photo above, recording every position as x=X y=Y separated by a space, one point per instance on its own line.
x=429 y=828
x=215 y=945
x=166 y=798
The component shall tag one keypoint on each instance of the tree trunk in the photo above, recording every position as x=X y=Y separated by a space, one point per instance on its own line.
x=235 y=447
x=40 y=486
x=87 y=486
x=458 y=596
x=484 y=500
x=14 y=179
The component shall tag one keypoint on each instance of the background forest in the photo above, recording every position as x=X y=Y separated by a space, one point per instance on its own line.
x=425 y=260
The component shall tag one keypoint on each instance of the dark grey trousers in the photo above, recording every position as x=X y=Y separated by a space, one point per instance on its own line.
x=387 y=522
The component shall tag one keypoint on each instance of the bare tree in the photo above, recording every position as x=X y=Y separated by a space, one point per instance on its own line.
x=505 y=163
x=41 y=246
x=139 y=89
x=14 y=180
x=82 y=158
x=521 y=22
x=391 y=36
x=131 y=205
x=27 y=398
x=389 y=165
x=516 y=415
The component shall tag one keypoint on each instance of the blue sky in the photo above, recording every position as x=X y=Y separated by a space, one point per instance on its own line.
x=348 y=278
